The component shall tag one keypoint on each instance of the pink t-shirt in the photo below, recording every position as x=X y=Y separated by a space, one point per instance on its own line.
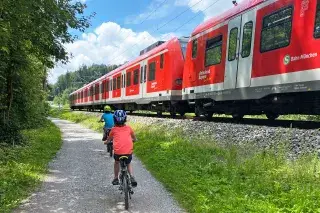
x=122 y=140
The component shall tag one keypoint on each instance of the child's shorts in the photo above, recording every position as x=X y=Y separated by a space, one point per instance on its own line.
x=116 y=157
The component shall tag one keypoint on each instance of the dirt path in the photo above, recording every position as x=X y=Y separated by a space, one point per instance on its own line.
x=80 y=180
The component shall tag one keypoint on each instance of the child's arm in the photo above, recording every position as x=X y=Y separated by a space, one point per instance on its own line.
x=110 y=137
x=101 y=119
x=133 y=136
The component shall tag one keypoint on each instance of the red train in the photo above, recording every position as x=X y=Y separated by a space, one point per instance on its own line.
x=260 y=57
x=153 y=81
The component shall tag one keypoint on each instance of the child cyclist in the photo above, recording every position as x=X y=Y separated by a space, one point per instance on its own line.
x=107 y=117
x=122 y=137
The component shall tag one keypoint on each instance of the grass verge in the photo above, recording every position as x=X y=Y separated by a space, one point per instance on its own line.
x=204 y=177
x=23 y=167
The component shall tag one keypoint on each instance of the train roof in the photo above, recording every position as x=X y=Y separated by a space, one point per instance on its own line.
x=242 y=6
x=135 y=61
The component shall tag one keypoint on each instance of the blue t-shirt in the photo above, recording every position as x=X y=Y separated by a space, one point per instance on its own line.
x=108 y=120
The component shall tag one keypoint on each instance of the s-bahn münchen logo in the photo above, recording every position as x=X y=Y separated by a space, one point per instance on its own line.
x=286 y=60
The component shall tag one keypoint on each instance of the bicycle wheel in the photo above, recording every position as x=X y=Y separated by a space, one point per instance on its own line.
x=126 y=192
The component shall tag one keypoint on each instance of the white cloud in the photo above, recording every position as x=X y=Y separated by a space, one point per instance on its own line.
x=205 y=7
x=108 y=44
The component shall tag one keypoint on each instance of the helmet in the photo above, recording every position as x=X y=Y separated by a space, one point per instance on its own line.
x=120 y=116
x=107 y=108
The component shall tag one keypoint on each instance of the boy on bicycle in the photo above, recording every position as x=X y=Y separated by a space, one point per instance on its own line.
x=107 y=117
x=122 y=137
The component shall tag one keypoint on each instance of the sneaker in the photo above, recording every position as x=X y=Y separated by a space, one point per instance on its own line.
x=115 y=181
x=133 y=182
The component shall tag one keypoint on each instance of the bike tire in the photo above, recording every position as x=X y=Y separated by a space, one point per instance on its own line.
x=126 y=192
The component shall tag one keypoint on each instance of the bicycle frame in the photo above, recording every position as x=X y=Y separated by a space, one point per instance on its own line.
x=125 y=182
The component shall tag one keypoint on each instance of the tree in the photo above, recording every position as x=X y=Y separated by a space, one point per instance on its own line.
x=33 y=34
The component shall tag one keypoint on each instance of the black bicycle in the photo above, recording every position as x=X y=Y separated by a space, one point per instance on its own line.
x=125 y=181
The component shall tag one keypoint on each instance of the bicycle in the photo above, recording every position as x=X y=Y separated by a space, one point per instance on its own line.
x=125 y=181
x=106 y=133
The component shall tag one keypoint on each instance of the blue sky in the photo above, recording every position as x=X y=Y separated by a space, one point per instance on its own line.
x=121 y=28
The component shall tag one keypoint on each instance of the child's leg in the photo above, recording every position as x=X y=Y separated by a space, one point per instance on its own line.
x=130 y=170
x=116 y=169
x=133 y=180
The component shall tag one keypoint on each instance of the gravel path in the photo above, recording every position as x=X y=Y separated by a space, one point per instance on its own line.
x=80 y=180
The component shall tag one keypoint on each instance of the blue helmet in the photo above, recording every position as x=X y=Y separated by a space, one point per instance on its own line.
x=120 y=116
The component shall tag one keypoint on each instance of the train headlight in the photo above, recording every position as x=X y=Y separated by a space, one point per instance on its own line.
x=178 y=81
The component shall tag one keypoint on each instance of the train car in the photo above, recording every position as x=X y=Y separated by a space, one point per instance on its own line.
x=260 y=57
x=153 y=81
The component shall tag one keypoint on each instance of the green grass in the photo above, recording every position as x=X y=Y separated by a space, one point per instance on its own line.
x=207 y=178
x=23 y=167
x=204 y=177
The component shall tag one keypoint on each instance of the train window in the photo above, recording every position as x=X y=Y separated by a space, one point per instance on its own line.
x=128 y=79
x=152 y=71
x=161 y=61
x=102 y=89
x=107 y=86
x=136 y=76
x=97 y=89
x=118 y=83
x=213 y=51
x=145 y=73
x=317 y=23
x=247 y=39
x=194 y=48
x=141 y=75
x=276 y=30
x=114 y=83
x=184 y=48
x=233 y=43
x=123 y=80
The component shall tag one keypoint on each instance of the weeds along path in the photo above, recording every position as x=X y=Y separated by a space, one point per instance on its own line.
x=80 y=180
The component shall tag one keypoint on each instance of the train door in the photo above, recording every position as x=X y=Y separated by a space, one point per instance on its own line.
x=123 y=85
x=239 y=51
x=143 y=78
x=100 y=90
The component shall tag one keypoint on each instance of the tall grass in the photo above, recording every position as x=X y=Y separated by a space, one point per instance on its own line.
x=207 y=178
x=23 y=167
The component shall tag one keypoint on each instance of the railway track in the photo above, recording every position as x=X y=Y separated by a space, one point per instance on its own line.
x=284 y=123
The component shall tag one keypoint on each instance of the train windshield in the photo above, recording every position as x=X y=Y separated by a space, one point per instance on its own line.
x=184 y=43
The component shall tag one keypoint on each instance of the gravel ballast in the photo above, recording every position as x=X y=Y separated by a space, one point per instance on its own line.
x=298 y=141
